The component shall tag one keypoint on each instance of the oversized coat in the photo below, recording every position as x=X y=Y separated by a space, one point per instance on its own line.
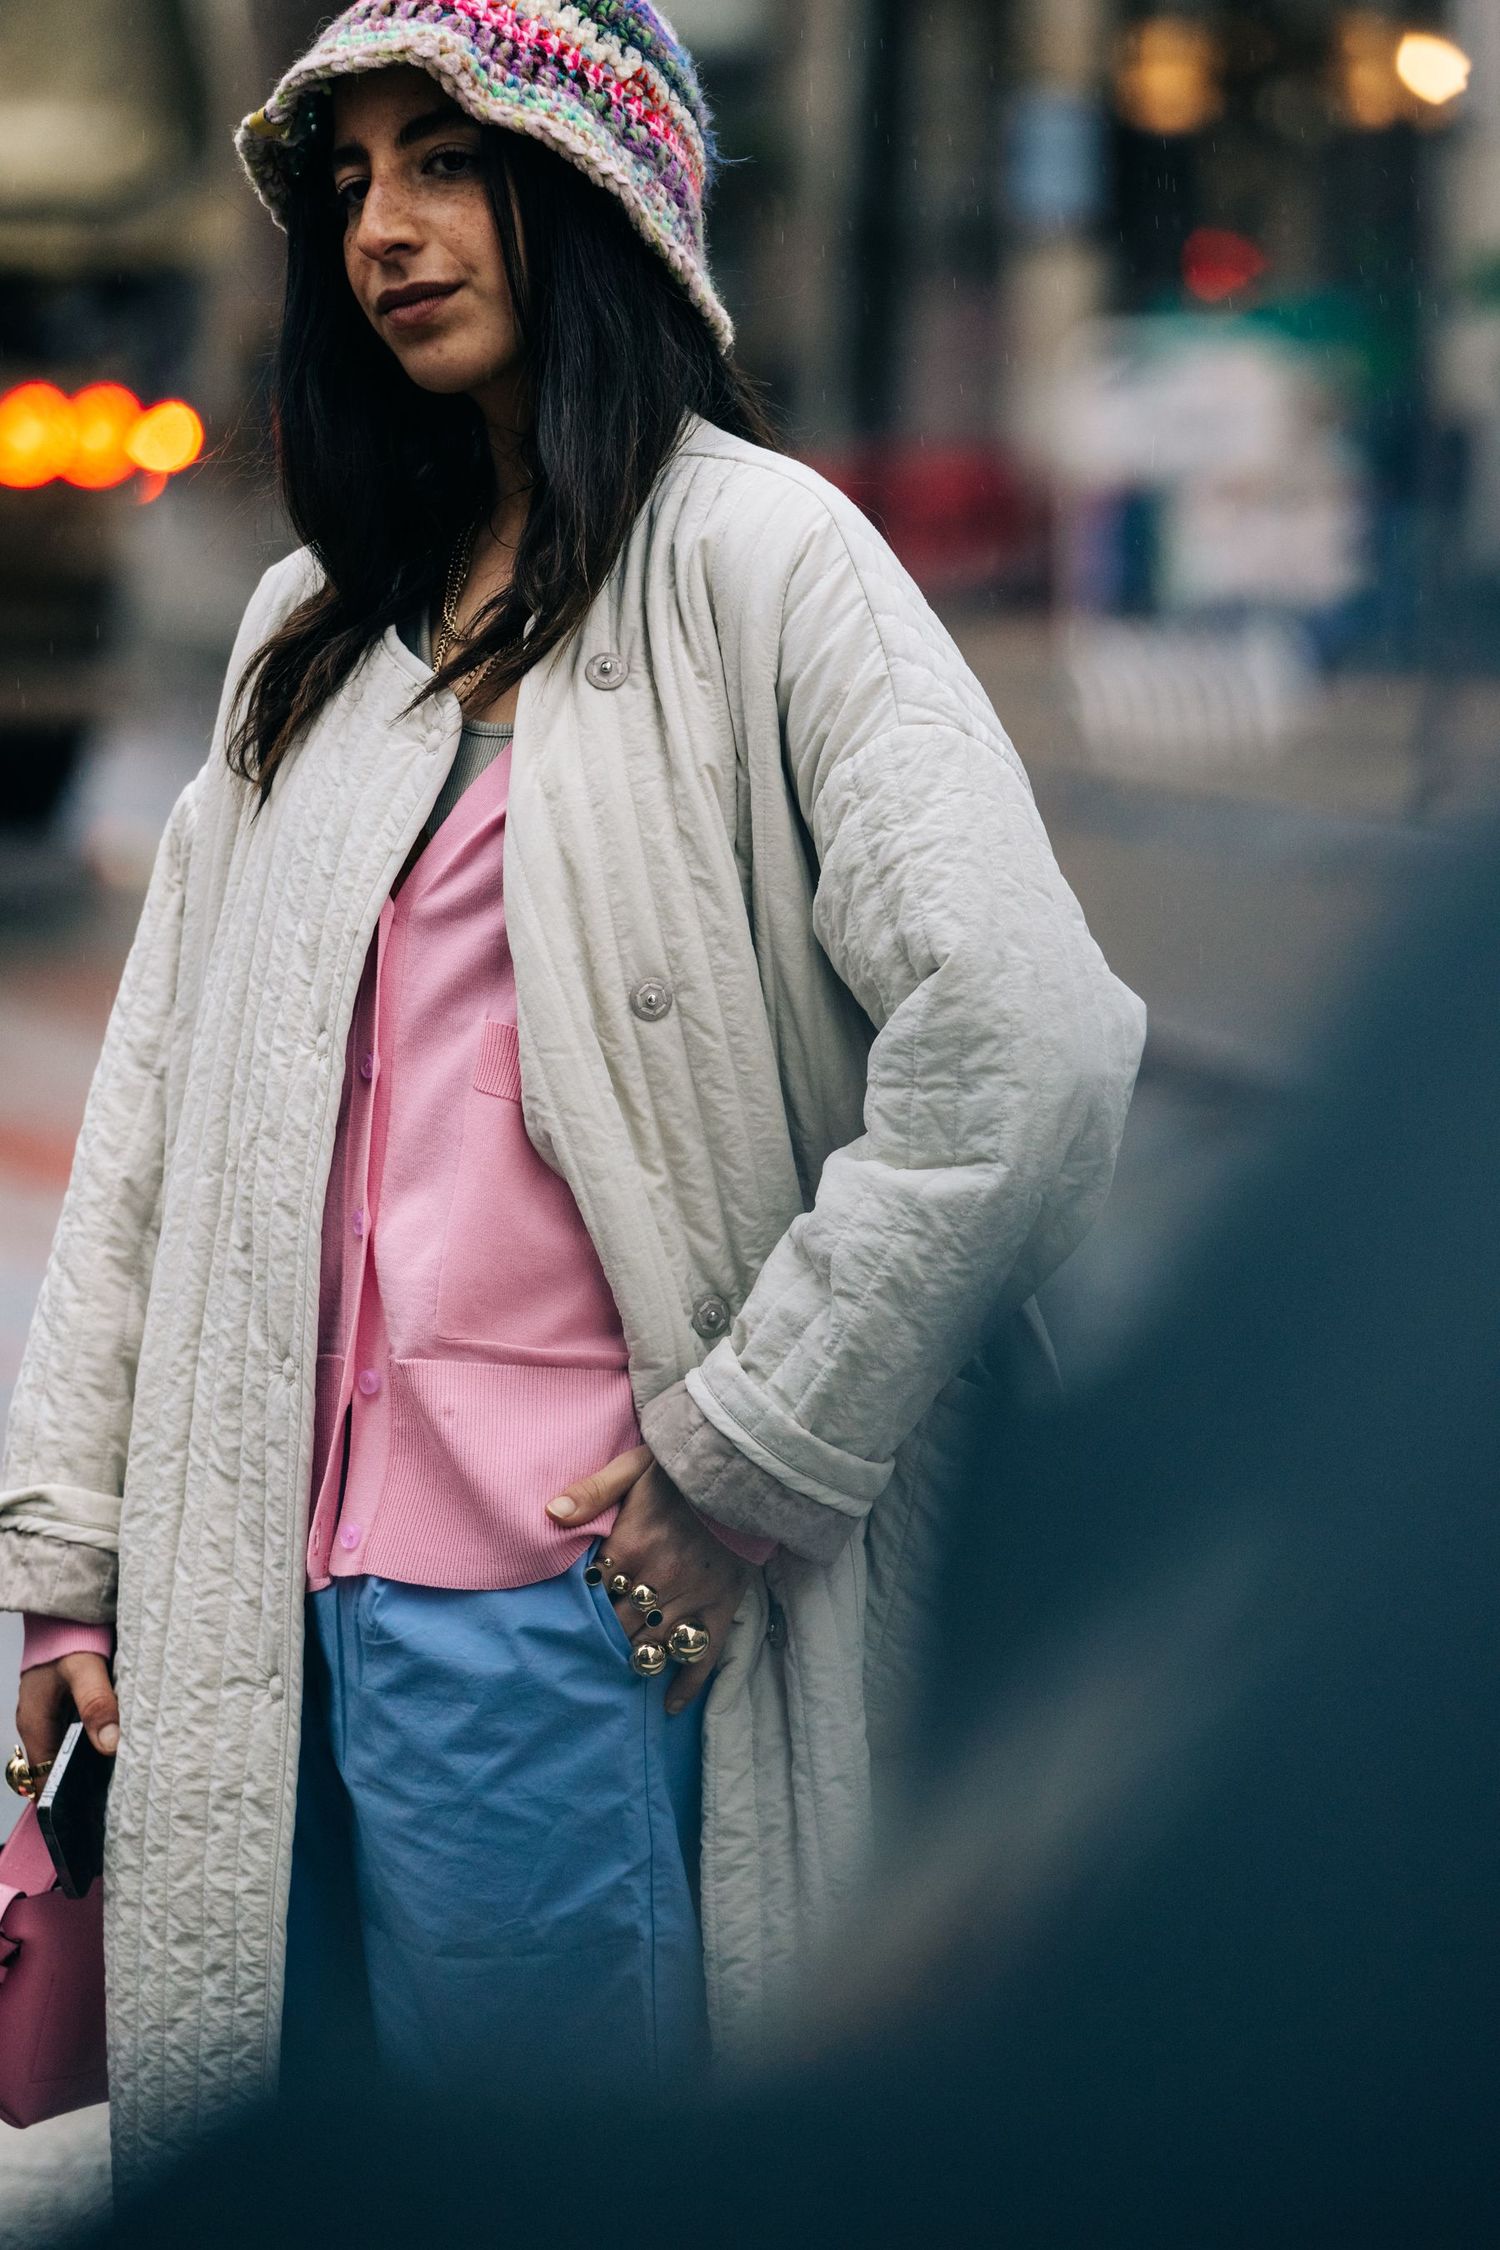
x=881 y=1101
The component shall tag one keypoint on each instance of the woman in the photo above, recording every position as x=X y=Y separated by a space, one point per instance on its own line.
x=821 y=1075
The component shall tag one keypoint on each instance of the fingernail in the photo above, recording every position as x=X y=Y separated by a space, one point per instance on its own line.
x=109 y=1740
x=562 y=1508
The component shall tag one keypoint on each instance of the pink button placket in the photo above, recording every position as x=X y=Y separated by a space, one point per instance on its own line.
x=329 y=1538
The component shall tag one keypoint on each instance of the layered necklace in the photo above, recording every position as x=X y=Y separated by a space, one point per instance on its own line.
x=450 y=635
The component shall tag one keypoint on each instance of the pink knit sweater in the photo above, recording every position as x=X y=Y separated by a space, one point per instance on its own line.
x=470 y=1358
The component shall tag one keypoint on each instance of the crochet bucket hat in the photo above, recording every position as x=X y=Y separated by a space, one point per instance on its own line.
x=606 y=83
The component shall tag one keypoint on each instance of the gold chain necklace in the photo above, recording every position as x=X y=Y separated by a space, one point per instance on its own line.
x=450 y=635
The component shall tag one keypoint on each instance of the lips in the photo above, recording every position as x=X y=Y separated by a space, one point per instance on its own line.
x=412 y=295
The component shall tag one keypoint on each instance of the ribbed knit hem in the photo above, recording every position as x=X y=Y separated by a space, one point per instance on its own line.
x=47 y=1638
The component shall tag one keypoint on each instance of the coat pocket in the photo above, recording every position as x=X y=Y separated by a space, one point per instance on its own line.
x=519 y=1272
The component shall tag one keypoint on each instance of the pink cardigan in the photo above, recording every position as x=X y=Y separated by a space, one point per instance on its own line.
x=468 y=1343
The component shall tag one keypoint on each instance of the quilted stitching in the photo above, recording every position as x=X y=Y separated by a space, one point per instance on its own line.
x=934 y=950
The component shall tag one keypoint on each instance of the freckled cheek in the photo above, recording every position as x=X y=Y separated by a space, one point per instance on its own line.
x=477 y=250
x=480 y=262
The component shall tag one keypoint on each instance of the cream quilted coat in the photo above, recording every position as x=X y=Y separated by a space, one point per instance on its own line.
x=794 y=808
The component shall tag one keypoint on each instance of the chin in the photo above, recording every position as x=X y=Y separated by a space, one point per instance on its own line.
x=443 y=367
x=436 y=370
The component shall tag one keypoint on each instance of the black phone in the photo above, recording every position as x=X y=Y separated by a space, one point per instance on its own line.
x=70 y=1812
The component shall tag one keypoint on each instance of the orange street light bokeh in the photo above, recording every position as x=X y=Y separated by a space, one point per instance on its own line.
x=1167 y=77
x=166 y=438
x=1384 y=77
x=36 y=435
x=103 y=416
x=95 y=440
x=1433 y=69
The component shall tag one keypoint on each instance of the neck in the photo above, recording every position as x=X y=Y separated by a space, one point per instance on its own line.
x=507 y=419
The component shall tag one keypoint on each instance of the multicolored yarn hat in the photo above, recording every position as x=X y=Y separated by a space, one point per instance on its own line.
x=607 y=83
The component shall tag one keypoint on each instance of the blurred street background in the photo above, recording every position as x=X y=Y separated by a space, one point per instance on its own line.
x=1164 y=346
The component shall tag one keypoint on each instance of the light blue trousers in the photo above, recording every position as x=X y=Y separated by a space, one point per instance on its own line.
x=495 y=1864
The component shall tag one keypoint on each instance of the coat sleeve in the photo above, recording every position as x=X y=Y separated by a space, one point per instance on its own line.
x=999 y=1077
x=63 y=1472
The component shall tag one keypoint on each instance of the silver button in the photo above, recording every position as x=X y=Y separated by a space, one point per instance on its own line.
x=606 y=670
x=652 y=1000
x=711 y=1316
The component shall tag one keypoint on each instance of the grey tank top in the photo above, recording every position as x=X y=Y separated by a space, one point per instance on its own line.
x=480 y=743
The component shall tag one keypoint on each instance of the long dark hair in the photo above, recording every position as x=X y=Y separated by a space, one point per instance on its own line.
x=379 y=477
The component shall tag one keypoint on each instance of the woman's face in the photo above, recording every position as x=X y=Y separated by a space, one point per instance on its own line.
x=421 y=247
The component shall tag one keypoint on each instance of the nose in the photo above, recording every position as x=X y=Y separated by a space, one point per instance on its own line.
x=385 y=221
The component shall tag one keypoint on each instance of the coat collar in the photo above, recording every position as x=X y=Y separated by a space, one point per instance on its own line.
x=394 y=653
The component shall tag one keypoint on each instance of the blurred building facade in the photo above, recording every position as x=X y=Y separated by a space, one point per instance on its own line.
x=938 y=200
x=927 y=204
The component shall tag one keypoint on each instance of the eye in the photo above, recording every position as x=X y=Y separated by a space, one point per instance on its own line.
x=466 y=160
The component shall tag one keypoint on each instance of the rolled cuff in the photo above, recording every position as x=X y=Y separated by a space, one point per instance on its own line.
x=45 y=1569
x=730 y=1489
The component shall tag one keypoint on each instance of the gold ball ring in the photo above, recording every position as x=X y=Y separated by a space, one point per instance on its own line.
x=649 y=1658
x=25 y=1778
x=648 y=1601
x=688 y=1642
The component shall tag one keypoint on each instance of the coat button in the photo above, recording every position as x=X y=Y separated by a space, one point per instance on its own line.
x=288 y=1368
x=606 y=670
x=322 y=1042
x=776 y=1627
x=711 y=1316
x=652 y=1000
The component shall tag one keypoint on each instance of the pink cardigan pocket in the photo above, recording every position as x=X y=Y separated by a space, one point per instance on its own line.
x=519 y=1272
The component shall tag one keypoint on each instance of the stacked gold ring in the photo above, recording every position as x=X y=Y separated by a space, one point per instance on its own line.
x=687 y=1642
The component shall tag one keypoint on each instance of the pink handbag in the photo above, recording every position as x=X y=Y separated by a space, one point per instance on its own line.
x=51 y=1985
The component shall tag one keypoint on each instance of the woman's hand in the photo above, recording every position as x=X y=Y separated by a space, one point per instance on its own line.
x=54 y=1695
x=658 y=1541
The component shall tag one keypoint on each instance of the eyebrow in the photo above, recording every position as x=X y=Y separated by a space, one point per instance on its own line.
x=415 y=129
